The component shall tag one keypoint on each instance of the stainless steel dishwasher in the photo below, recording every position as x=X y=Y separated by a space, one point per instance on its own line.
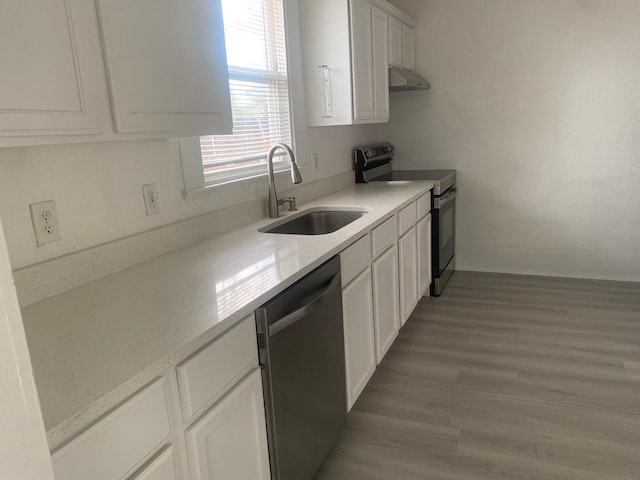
x=301 y=345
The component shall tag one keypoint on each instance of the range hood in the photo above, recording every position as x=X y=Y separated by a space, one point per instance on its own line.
x=401 y=80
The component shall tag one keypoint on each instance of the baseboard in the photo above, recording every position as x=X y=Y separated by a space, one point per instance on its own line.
x=569 y=264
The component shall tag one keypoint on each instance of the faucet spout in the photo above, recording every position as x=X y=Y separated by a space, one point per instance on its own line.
x=296 y=177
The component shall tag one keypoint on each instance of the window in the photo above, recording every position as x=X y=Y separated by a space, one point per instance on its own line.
x=257 y=60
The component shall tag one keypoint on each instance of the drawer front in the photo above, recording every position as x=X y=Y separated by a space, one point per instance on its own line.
x=384 y=235
x=407 y=218
x=162 y=468
x=214 y=370
x=355 y=258
x=424 y=205
x=119 y=443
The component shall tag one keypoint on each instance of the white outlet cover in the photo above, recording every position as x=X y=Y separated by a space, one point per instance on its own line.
x=45 y=222
x=151 y=200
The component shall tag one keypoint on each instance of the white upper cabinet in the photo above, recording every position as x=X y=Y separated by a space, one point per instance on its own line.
x=345 y=57
x=48 y=84
x=395 y=42
x=380 y=35
x=408 y=48
x=401 y=36
x=166 y=65
x=362 y=59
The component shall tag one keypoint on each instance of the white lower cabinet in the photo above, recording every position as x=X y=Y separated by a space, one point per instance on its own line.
x=230 y=442
x=408 y=265
x=121 y=442
x=359 y=346
x=424 y=254
x=384 y=271
x=162 y=468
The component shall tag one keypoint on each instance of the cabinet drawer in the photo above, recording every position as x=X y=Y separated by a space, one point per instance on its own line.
x=210 y=373
x=384 y=235
x=407 y=218
x=162 y=468
x=424 y=205
x=355 y=258
x=119 y=443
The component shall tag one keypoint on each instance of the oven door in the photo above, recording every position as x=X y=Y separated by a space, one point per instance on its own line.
x=444 y=231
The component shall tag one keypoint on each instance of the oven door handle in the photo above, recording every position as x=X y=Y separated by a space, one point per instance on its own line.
x=439 y=202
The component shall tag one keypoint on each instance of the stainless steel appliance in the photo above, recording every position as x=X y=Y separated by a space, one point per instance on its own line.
x=301 y=348
x=373 y=164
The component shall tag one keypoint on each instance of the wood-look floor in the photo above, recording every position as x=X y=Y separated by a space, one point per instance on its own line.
x=504 y=377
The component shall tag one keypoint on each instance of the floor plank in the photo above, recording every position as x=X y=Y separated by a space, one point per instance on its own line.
x=504 y=377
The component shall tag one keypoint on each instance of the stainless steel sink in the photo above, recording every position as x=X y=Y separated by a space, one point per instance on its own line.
x=318 y=222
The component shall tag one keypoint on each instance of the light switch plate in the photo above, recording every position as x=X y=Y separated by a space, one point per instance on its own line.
x=45 y=222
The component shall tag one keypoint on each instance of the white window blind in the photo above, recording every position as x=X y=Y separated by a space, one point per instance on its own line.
x=257 y=59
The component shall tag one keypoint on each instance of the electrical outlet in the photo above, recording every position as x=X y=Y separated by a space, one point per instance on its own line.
x=150 y=195
x=45 y=222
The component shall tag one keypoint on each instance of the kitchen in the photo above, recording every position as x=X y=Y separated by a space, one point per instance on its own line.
x=535 y=105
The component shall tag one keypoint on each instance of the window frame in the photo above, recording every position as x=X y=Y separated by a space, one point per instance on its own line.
x=188 y=148
x=265 y=77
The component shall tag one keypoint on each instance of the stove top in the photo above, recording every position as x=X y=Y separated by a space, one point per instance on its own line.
x=435 y=176
x=373 y=164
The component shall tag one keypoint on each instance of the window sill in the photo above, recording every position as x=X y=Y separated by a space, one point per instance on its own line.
x=248 y=180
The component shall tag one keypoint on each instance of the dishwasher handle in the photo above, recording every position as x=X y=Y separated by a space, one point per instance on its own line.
x=305 y=310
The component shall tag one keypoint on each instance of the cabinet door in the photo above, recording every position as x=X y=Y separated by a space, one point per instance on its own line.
x=424 y=254
x=380 y=28
x=408 y=264
x=395 y=42
x=408 y=48
x=362 y=60
x=166 y=65
x=50 y=68
x=231 y=440
x=360 y=356
x=162 y=468
x=386 y=293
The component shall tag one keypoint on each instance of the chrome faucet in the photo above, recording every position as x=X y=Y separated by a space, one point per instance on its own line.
x=274 y=202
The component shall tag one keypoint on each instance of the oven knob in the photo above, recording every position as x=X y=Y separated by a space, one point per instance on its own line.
x=388 y=148
x=369 y=153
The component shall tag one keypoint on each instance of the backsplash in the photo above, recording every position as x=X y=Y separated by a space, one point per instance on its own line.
x=48 y=278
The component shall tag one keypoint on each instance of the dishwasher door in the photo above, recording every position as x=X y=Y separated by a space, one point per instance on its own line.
x=301 y=345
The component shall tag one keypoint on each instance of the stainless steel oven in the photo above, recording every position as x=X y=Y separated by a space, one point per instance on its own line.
x=373 y=163
x=444 y=239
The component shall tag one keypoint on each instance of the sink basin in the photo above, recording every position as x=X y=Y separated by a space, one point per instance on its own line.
x=319 y=222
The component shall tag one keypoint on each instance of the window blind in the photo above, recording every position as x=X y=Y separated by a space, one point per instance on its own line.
x=258 y=82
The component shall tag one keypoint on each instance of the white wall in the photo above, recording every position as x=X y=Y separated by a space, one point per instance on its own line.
x=537 y=104
x=97 y=188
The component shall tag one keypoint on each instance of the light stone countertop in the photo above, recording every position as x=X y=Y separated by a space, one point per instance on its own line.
x=95 y=345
